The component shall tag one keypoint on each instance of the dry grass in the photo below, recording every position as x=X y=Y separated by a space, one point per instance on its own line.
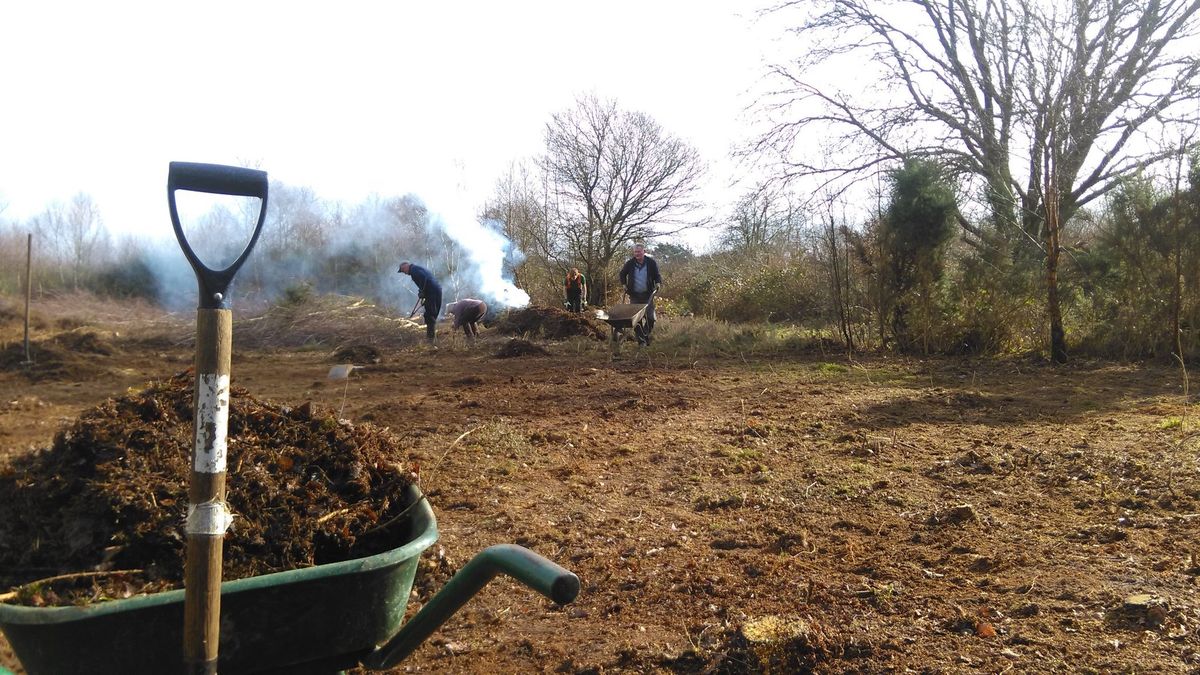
x=51 y=314
x=327 y=322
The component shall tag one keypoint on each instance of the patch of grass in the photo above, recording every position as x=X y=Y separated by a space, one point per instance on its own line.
x=696 y=336
x=716 y=502
x=1175 y=423
x=826 y=368
x=500 y=437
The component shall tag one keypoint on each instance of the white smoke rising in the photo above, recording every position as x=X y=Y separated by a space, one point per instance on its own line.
x=488 y=250
x=350 y=249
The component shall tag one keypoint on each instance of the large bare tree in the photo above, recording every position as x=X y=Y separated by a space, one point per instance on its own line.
x=1027 y=97
x=614 y=176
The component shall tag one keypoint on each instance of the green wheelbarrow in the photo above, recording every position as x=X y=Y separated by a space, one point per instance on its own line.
x=321 y=619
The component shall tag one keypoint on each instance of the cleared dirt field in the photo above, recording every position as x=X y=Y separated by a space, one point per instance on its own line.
x=731 y=512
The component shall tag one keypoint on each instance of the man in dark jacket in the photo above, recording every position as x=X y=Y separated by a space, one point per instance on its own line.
x=641 y=280
x=428 y=292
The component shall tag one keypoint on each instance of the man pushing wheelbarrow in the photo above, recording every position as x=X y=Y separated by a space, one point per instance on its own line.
x=641 y=280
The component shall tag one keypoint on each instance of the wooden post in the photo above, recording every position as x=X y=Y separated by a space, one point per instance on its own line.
x=208 y=516
x=28 y=287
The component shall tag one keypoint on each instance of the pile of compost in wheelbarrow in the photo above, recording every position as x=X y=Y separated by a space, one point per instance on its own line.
x=104 y=507
x=551 y=323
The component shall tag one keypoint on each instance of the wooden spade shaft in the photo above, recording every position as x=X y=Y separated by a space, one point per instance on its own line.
x=208 y=515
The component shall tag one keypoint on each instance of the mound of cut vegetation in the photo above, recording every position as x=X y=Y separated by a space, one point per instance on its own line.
x=73 y=355
x=550 y=323
x=306 y=320
x=104 y=506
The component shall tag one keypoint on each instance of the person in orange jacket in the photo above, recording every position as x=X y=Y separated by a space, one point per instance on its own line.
x=576 y=290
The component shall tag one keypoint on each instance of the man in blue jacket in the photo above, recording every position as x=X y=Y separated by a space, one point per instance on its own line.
x=641 y=280
x=428 y=292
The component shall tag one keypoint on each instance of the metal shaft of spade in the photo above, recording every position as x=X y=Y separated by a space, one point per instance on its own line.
x=208 y=515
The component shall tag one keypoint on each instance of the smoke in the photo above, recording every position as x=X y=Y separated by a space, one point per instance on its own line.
x=332 y=247
x=488 y=253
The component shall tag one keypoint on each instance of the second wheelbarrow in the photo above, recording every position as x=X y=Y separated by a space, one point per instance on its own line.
x=623 y=317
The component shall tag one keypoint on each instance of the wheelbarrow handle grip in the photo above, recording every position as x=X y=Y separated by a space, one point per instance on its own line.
x=217 y=179
x=531 y=569
x=541 y=574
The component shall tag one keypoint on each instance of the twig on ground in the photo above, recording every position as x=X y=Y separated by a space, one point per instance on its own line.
x=461 y=436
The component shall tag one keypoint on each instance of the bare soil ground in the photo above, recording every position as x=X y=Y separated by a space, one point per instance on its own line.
x=781 y=512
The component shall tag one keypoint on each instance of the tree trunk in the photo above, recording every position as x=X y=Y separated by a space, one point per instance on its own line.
x=1058 y=338
x=1177 y=284
x=836 y=285
x=882 y=299
x=1176 y=309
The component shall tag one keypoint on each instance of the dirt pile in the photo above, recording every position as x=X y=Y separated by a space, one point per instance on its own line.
x=9 y=314
x=551 y=323
x=111 y=495
x=357 y=353
x=519 y=347
x=70 y=355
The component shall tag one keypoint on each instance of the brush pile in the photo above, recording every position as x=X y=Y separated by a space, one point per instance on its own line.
x=330 y=321
x=110 y=495
x=550 y=323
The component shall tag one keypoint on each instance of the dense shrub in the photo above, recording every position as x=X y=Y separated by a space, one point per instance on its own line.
x=133 y=278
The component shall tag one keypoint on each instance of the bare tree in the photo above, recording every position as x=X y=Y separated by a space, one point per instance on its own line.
x=765 y=220
x=614 y=176
x=74 y=234
x=296 y=223
x=518 y=205
x=50 y=228
x=836 y=249
x=998 y=90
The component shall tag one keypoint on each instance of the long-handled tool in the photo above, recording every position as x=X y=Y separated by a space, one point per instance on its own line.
x=420 y=301
x=208 y=516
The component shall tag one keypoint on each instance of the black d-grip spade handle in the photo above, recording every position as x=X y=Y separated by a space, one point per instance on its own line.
x=221 y=180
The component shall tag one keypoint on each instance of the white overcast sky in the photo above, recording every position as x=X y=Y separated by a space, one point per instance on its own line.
x=348 y=98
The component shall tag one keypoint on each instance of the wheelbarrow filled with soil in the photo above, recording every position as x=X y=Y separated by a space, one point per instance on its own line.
x=113 y=488
x=321 y=619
